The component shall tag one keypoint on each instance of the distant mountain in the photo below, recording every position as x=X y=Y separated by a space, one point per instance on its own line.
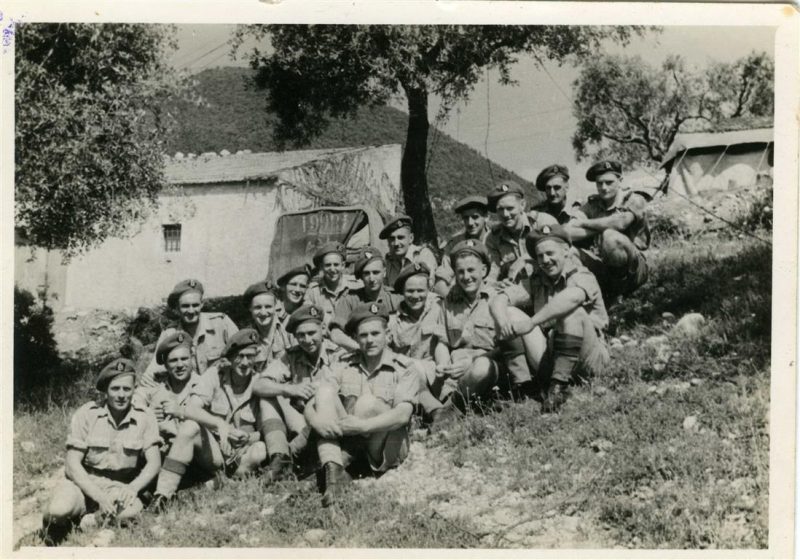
x=232 y=116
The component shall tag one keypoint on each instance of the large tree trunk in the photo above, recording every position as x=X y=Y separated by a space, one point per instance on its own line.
x=412 y=168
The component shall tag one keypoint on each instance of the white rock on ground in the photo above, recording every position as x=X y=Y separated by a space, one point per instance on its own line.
x=103 y=538
x=690 y=324
x=690 y=423
x=315 y=537
x=657 y=340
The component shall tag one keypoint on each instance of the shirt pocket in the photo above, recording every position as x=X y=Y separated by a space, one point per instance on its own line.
x=97 y=451
x=219 y=406
x=350 y=384
x=246 y=417
x=484 y=334
x=383 y=389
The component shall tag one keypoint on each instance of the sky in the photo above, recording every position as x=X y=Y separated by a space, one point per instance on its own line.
x=528 y=126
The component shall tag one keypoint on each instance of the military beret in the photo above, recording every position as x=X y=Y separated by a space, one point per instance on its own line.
x=363 y=312
x=119 y=366
x=548 y=172
x=367 y=255
x=474 y=201
x=555 y=232
x=601 y=167
x=473 y=247
x=399 y=221
x=304 y=314
x=296 y=271
x=242 y=339
x=502 y=189
x=265 y=287
x=181 y=288
x=178 y=338
x=326 y=249
x=407 y=272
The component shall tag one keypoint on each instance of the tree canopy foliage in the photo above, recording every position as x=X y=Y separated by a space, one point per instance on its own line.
x=632 y=111
x=232 y=117
x=315 y=73
x=89 y=129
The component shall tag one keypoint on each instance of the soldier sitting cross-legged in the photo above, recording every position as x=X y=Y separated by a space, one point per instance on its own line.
x=169 y=400
x=567 y=317
x=287 y=384
x=363 y=406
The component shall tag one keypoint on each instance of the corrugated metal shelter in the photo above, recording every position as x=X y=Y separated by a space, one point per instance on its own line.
x=215 y=222
x=718 y=160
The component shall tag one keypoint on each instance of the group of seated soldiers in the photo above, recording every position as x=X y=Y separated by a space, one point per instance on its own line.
x=328 y=373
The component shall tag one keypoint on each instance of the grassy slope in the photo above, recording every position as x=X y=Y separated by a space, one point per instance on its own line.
x=617 y=467
x=234 y=118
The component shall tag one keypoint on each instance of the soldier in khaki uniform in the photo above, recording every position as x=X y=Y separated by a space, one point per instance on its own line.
x=224 y=402
x=334 y=283
x=370 y=267
x=209 y=331
x=288 y=383
x=364 y=406
x=402 y=250
x=168 y=401
x=112 y=455
x=414 y=331
x=261 y=301
x=474 y=213
x=506 y=241
x=615 y=224
x=553 y=181
x=293 y=286
x=567 y=317
x=475 y=356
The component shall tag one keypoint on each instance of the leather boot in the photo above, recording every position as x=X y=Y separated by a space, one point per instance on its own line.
x=280 y=468
x=444 y=418
x=557 y=395
x=335 y=478
x=160 y=503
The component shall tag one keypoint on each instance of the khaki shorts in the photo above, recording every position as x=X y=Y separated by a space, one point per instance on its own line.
x=616 y=281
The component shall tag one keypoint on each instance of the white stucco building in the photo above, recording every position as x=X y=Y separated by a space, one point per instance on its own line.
x=215 y=222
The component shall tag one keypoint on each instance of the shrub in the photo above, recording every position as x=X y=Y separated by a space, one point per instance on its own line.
x=35 y=355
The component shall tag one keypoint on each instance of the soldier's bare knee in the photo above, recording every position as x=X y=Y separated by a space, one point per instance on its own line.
x=573 y=323
x=482 y=370
x=188 y=430
x=60 y=509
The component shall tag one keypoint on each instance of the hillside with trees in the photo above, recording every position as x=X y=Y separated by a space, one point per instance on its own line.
x=230 y=115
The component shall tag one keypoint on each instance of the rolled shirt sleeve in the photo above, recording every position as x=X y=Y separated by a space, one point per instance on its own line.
x=79 y=430
x=407 y=387
x=277 y=371
x=150 y=433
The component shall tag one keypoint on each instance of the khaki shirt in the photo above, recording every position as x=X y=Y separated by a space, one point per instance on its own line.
x=416 y=338
x=626 y=201
x=506 y=247
x=467 y=324
x=348 y=303
x=296 y=365
x=318 y=294
x=109 y=446
x=445 y=270
x=394 y=381
x=213 y=332
x=414 y=254
x=562 y=215
x=216 y=395
x=534 y=293
x=153 y=396
x=273 y=347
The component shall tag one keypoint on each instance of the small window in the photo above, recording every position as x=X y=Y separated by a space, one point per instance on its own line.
x=172 y=238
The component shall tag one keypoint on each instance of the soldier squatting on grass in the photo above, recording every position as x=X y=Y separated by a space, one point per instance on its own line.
x=327 y=374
